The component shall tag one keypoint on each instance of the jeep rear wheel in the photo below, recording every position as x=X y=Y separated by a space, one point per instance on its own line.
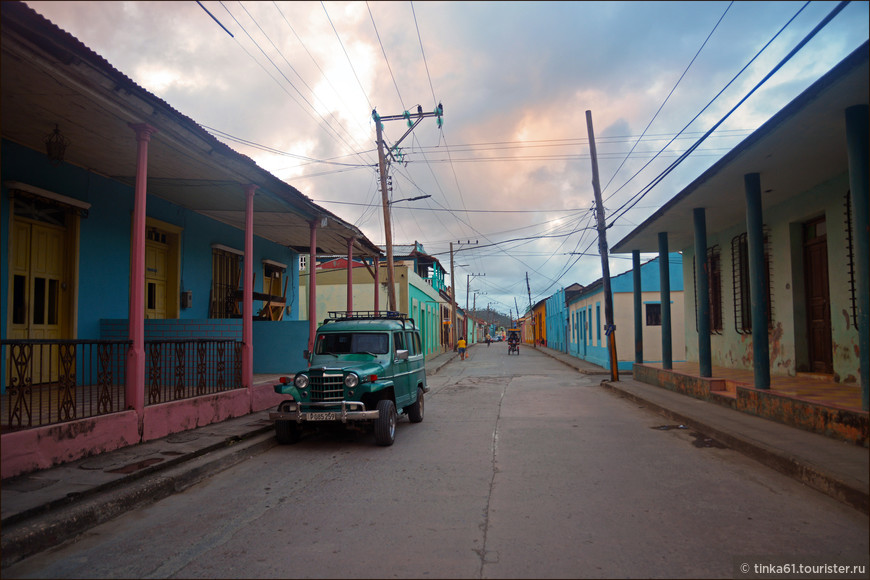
x=287 y=432
x=385 y=424
x=415 y=411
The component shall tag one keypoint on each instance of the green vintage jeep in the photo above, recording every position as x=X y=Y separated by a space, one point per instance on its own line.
x=366 y=368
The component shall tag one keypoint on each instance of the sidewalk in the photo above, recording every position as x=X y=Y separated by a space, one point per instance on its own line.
x=42 y=509
x=838 y=469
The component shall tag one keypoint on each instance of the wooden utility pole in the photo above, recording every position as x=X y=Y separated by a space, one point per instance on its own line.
x=453 y=300
x=388 y=234
x=382 y=167
x=610 y=328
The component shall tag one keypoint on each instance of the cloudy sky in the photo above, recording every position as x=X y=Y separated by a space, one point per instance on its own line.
x=293 y=85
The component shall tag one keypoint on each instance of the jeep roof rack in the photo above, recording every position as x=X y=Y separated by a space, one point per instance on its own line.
x=336 y=315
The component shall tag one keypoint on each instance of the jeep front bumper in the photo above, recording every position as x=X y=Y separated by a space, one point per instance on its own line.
x=349 y=411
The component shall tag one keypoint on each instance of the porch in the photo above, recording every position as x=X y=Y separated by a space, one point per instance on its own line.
x=813 y=402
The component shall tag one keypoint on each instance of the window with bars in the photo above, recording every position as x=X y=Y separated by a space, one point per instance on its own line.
x=851 y=255
x=741 y=279
x=226 y=275
x=653 y=314
x=713 y=265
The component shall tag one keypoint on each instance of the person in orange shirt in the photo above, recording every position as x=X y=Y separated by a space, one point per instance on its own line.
x=461 y=345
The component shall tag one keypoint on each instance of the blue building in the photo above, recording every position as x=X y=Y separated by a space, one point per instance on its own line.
x=587 y=338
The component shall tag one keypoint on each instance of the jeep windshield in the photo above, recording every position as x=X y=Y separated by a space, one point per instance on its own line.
x=338 y=343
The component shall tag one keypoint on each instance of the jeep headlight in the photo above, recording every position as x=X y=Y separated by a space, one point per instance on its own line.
x=351 y=380
x=301 y=381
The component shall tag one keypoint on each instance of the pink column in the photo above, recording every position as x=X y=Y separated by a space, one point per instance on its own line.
x=248 y=292
x=350 y=274
x=135 y=379
x=312 y=287
x=377 y=261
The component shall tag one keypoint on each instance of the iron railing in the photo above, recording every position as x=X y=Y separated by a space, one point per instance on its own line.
x=182 y=369
x=54 y=381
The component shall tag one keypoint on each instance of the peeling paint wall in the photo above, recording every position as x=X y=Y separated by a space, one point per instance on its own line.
x=788 y=336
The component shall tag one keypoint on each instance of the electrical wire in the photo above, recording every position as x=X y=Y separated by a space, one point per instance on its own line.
x=644 y=191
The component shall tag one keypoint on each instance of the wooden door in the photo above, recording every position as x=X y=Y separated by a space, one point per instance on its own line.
x=818 y=297
x=37 y=284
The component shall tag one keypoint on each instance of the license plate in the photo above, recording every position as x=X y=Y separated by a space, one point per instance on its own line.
x=320 y=416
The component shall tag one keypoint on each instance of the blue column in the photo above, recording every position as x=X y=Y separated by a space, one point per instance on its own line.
x=702 y=308
x=757 y=277
x=665 y=277
x=858 y=150
x=638 y=305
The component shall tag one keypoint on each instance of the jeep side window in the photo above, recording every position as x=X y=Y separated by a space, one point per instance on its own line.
x=412 y=345
x=399 y=341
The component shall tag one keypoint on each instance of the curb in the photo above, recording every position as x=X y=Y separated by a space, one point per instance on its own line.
x=785 y=463
x=54 y=526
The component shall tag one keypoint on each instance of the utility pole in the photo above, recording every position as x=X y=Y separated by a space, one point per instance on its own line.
x=382 y=168
x=468 y=278
x=610 y=328
x=453 y=300
x=531 y=312
x=453 y=296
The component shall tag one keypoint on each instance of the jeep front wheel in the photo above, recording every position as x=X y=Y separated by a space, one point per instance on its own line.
x=385 y=424
x=287 y=432
x=415 y=411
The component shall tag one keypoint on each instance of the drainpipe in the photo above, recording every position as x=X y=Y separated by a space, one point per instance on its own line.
x=757 y=275
x=702 y=308
x=135 y=379
x=857 y=147
x=248 y=292
x=665 y=282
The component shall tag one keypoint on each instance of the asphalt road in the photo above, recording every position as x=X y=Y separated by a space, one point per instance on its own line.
x=522 y=468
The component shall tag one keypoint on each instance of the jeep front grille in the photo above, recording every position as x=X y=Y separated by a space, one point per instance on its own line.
x=326 y=388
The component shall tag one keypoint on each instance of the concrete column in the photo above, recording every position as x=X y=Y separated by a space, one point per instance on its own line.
x=638 y=308
x=665 y=279
x=248 y=292
x=312 y=286
x=350 y=274
x=858 y=151
x=757 y=276
x=702 y=308
x=135 y=379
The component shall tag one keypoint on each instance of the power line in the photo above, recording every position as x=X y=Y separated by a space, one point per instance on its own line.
x=346 y=55
x=682 y=76
x=644 y=191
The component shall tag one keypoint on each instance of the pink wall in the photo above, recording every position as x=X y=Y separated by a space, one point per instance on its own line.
x=43 y=447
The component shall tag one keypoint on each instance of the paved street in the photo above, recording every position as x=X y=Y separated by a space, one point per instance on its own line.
x=522 y=468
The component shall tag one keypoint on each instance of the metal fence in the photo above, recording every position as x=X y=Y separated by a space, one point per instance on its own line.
x=54 y=381
x=182 y=369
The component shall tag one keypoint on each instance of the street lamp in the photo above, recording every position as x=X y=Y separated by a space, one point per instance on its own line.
x=409 y=199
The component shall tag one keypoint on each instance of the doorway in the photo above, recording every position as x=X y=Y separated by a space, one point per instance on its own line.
x=818 y=309
x=40 y=286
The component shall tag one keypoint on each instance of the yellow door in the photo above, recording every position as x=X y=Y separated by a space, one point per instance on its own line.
x=156 y=256
x=37 y=281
